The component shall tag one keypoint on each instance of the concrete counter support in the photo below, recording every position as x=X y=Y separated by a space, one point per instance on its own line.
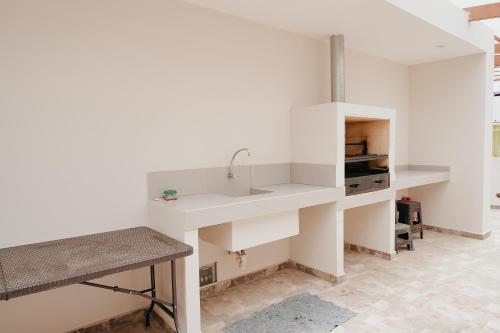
x=320 y=243
x=372 y=227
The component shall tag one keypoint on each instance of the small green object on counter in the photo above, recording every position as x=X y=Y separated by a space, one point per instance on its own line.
x=169 y=194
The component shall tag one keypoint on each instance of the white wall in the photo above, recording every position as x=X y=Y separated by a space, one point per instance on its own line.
x=495 y=181
x=379 y=82
x=96 y=94
x=495 y=168
x=63 y=309
x=450 y=124
x=258 y=257
x=371 y=226
x=321 y=231
x=94 y=100
x=496 y=109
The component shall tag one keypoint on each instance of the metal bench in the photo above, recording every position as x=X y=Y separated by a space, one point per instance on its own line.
x=32 y=268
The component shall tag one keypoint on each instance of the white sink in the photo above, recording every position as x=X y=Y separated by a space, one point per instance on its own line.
x=246 y=192
x=247 y=233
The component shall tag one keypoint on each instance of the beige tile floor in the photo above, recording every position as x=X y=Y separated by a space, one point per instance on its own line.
x=448 y=284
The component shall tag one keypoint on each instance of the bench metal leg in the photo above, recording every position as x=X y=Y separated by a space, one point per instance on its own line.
x=147 y=315
x=172 y=313
x=174 y=295
x=154 y=300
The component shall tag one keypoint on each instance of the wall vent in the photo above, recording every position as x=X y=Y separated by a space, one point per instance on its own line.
x=208 y=274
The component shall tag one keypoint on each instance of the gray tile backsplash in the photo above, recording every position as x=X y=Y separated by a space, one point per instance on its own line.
x=422 y=167
x=429 y=167
x=196 y=181
x=218 y=182
x=313 y=174
x=271 y=174
x=186 y=182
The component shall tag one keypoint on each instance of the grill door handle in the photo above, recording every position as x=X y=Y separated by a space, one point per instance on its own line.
x=354 y=185
x=378 y=181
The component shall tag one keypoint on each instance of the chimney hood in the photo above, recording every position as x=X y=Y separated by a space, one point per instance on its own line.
x=337 y=67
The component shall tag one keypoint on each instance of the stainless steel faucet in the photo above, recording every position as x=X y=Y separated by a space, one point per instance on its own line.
x=230 y=174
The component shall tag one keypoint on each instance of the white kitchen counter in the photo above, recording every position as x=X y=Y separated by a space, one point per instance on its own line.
x=207 y=209
x=419 y=177
x=182 y=219
x=412 y=177
x=202 y=210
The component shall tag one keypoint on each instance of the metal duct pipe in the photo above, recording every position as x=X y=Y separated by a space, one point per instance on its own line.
x=337 y=68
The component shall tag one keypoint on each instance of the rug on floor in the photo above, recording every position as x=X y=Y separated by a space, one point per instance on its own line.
x=297 y=314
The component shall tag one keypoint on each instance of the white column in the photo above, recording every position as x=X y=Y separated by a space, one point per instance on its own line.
x=188 y=287
x=371 y=226
x=320 y=243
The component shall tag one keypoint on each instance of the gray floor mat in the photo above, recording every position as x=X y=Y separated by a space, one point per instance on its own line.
x=297 y=314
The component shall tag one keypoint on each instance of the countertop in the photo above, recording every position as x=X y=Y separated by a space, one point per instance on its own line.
x=414 y=177
x=201 y=210
x=196 y=211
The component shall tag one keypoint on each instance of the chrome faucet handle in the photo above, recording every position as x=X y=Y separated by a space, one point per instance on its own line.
x=230 y=174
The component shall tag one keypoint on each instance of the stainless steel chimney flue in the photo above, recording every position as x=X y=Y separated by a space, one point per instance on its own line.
x=337 y=68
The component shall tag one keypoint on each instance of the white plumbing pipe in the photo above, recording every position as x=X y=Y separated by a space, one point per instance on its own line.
x=241 y=259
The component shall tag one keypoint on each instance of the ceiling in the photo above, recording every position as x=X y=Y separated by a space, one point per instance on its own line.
x=494 y=24
x=372 y=26
x=472 y=3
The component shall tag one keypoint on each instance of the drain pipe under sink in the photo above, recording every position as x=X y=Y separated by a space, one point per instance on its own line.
x=241 y=258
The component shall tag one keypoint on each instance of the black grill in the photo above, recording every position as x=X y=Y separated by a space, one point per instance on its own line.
x=360 y=174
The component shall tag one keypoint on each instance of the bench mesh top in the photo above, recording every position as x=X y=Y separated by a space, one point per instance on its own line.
x=33 y=268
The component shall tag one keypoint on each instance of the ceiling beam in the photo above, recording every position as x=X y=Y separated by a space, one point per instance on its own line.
x=484 y=12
